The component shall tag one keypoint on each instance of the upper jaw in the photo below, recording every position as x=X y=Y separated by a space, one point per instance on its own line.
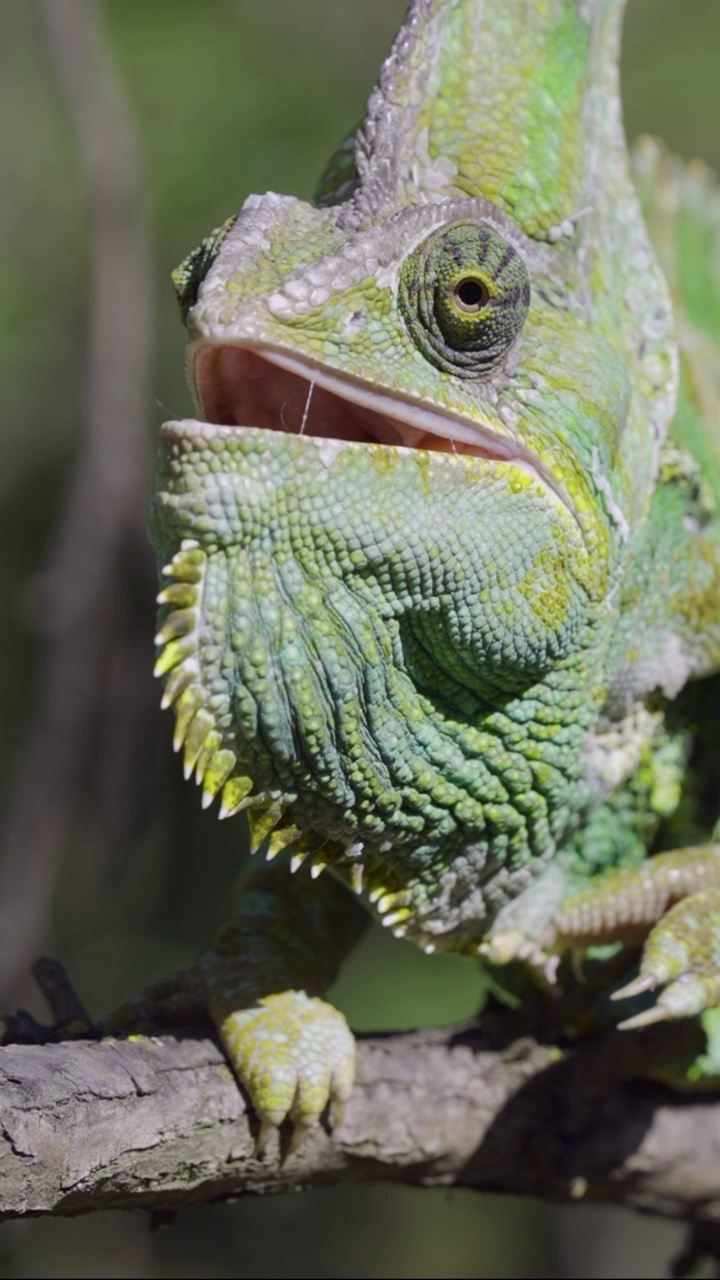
x=260 y=386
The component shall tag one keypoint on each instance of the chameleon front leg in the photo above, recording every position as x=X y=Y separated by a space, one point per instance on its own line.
x=670 y=903
x=261 y=982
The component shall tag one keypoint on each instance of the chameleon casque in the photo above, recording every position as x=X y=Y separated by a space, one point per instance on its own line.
x=441 y=548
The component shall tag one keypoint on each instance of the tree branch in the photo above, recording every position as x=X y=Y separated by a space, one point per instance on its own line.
x=160 y=1123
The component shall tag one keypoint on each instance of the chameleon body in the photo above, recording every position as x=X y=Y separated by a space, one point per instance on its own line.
x=441 y=546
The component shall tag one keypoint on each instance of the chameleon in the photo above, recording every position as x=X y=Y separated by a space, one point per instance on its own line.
x=440 y=550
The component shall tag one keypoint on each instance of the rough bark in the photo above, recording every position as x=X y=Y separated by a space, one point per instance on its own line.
x=160 y=1123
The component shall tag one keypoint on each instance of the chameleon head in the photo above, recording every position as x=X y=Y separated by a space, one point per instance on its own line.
x=392 y=529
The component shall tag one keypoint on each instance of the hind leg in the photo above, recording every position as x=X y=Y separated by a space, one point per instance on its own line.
x=670 y=903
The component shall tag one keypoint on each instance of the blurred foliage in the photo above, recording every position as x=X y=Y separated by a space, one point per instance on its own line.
x=233 y=96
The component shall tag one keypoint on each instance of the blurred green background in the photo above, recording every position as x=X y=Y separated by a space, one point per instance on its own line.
x=227 y=97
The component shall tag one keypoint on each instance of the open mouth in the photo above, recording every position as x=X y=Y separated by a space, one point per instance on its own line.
x=250 y=387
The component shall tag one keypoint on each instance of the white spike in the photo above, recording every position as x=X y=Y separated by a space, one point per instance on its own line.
x=176 y=687
x=394 y=917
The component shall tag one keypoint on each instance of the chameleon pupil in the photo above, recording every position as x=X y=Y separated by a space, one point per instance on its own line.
x=471 y=295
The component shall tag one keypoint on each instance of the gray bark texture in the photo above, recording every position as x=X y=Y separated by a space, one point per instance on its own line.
x=157 y=1123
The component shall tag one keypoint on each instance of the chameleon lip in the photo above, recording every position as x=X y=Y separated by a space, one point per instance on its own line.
x=242 y=386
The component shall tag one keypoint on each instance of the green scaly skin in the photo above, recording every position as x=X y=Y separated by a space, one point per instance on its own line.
x=441 y=549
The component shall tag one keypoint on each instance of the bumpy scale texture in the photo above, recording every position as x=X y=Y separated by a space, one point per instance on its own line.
x=440 y=550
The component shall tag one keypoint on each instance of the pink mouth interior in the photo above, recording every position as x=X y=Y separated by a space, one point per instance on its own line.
x=238 y=387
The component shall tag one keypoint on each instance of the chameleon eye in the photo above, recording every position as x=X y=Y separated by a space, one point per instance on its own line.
x=464 y=294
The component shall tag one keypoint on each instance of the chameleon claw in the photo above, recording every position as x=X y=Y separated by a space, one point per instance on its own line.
x=263 y=1137
x=689 y=995
x=645 y=1019
x=644 y=982
x=299 y=1129
x=680 y=956
x=336 y=1113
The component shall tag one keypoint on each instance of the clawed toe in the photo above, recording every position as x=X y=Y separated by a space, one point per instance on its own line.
x=295 y=1055
x=681 y=955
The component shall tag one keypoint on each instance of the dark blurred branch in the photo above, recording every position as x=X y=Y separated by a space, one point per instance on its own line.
x=81 y=590
x=156 y=1124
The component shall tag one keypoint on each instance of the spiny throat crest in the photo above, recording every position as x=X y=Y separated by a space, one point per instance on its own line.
x=439 y=819
x=202 y=740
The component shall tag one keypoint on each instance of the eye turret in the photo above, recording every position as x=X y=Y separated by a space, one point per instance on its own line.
x=189 y=275
x=464 y=294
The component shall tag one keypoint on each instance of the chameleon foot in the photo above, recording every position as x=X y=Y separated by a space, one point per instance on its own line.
x=294 y=1054
x=261 y=983
x=681 y=955
x=625 y=905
